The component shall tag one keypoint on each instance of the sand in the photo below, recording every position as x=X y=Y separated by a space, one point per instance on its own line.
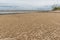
x=30 y=26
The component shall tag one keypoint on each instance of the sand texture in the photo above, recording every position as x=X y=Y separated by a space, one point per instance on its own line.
x=30 y=26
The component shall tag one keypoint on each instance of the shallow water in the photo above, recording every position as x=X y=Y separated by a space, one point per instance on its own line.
x=15 y=11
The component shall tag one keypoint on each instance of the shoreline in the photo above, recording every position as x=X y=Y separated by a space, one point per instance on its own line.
x=25 y=11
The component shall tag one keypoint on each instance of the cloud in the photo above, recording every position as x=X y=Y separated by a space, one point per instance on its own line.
x=28 y=4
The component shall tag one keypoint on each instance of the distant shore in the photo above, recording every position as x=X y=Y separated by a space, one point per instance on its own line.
x=25 y=11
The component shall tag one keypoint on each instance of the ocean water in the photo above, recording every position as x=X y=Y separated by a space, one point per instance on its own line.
x=11 y=12
x=16 y=11
x=4 y=9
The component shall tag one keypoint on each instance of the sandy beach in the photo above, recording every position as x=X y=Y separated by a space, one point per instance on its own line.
x=30 y=26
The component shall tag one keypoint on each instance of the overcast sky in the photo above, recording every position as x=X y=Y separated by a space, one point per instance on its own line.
x=32 y=3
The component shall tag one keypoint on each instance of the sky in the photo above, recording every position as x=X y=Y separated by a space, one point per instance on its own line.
x=28 y=4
